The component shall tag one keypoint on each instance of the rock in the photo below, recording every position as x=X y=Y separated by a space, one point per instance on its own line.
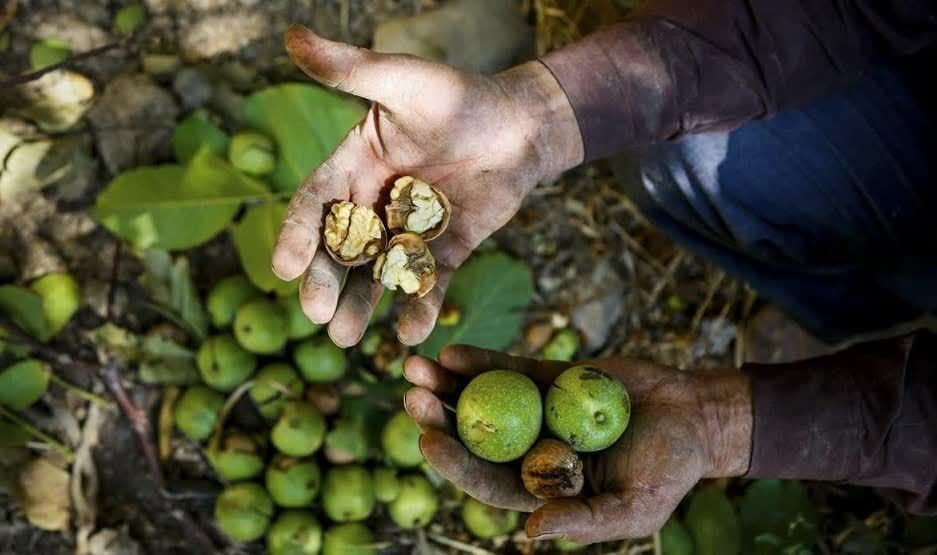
x=225 y=33
x=193 y=88
x=716 y=334
x=595 y=318
x=109 y=541
x=77 y=33
x=475 y=35
x=133 y=122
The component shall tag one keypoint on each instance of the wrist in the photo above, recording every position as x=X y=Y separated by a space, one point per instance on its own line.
x=725 y=400
x=546 y=117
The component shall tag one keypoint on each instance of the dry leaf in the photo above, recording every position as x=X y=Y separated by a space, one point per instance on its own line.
x=44 y=495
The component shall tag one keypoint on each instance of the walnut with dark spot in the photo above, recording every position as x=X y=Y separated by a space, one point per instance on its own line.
x=551 y=469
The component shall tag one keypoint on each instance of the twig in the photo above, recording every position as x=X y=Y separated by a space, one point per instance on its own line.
x=710 y=295
x=86 y=395
x=667 y=277
x=137 y=417
x=37 y=433
x=449 y=542
x=112 y=286
x=33 y=75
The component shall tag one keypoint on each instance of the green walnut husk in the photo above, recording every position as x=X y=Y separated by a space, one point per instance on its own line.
x=347 y=493
x=299 y=431
x=293 y=482
x=253 y=153
x=499 y=414
x=261 y=326
x=243 y=511
x=386 y=484
x=400 y=439
x=197 y=412
x=295 y=533
x=415 y=504
x=224 y=364
x=587 y=408
x=236 y=456
x=274 y=384
x=300 y=326
x=320 y=361
x=227 y=296
x=352 y=538
x=61 y=298
x=484 y=521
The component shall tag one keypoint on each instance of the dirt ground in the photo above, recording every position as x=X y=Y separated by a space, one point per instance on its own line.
x=597 y=263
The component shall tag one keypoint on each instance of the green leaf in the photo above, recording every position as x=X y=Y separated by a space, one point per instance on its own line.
x=307 y=122
x=254 y=237
x=23 y=383
x=713 y=523
x=175 y=208
x=11 y=435
x=24 y=307
x=777 y=516
x=195 y=133
x=165 y=362
x=493 y=291
x=157 y=265
x=184 y=299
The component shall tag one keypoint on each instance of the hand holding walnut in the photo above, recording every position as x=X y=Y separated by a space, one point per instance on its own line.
x=482 y=141
x=684 y=427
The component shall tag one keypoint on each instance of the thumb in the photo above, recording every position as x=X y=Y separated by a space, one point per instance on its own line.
x=348 y=68
x=596 y=519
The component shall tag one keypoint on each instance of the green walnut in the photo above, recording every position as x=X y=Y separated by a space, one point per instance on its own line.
x=320 y=361
x=386 y=484
x=498 y=415
x=236 y=456
x=401 y=440
x=61 y=297
x=484 y=521
x=416 y=503
x=352 y=538
x=274 y=384
x=23 y=383
x=295 y=533
x=223 y=363
x=252 y=153
x=293 y=482
x=347 y=493
x=299 y=431
x=197 y=412
x=243 y=511
x=261 y=326
x=300 y=326
x=227 y=296
x=587 y=408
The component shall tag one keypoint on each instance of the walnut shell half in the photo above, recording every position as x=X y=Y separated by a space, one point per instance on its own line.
x=551 y=469
x=417 y=207
x=354 y=234
x=407 y=264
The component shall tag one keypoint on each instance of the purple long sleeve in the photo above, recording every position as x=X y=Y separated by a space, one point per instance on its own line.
x=684 y=66
x=865 y=416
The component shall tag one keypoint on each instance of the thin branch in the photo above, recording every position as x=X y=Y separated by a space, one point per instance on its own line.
x=112 y=286
x=33 y=75
x=37 y=433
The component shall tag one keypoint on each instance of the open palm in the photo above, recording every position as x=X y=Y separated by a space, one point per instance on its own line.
x=471 y=136
x=631 y=488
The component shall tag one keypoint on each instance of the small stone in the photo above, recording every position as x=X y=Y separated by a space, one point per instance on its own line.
x=596 y=317
x=193 y=87
x=214 y=35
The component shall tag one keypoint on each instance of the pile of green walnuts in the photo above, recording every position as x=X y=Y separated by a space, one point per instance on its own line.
x=288 y=483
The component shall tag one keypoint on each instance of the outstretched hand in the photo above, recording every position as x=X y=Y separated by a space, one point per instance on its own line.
x=684 y=427
x=484 y=141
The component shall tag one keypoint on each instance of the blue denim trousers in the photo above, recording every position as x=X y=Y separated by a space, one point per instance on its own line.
x=829 y=211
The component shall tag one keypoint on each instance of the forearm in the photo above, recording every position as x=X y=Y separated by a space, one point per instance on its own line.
x=678 y=67
x=865 y=416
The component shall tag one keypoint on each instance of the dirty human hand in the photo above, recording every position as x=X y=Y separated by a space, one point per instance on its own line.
x=484 y=141
x=684 y=427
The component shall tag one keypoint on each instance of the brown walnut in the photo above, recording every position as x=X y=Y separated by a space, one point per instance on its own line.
x=551 y=469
